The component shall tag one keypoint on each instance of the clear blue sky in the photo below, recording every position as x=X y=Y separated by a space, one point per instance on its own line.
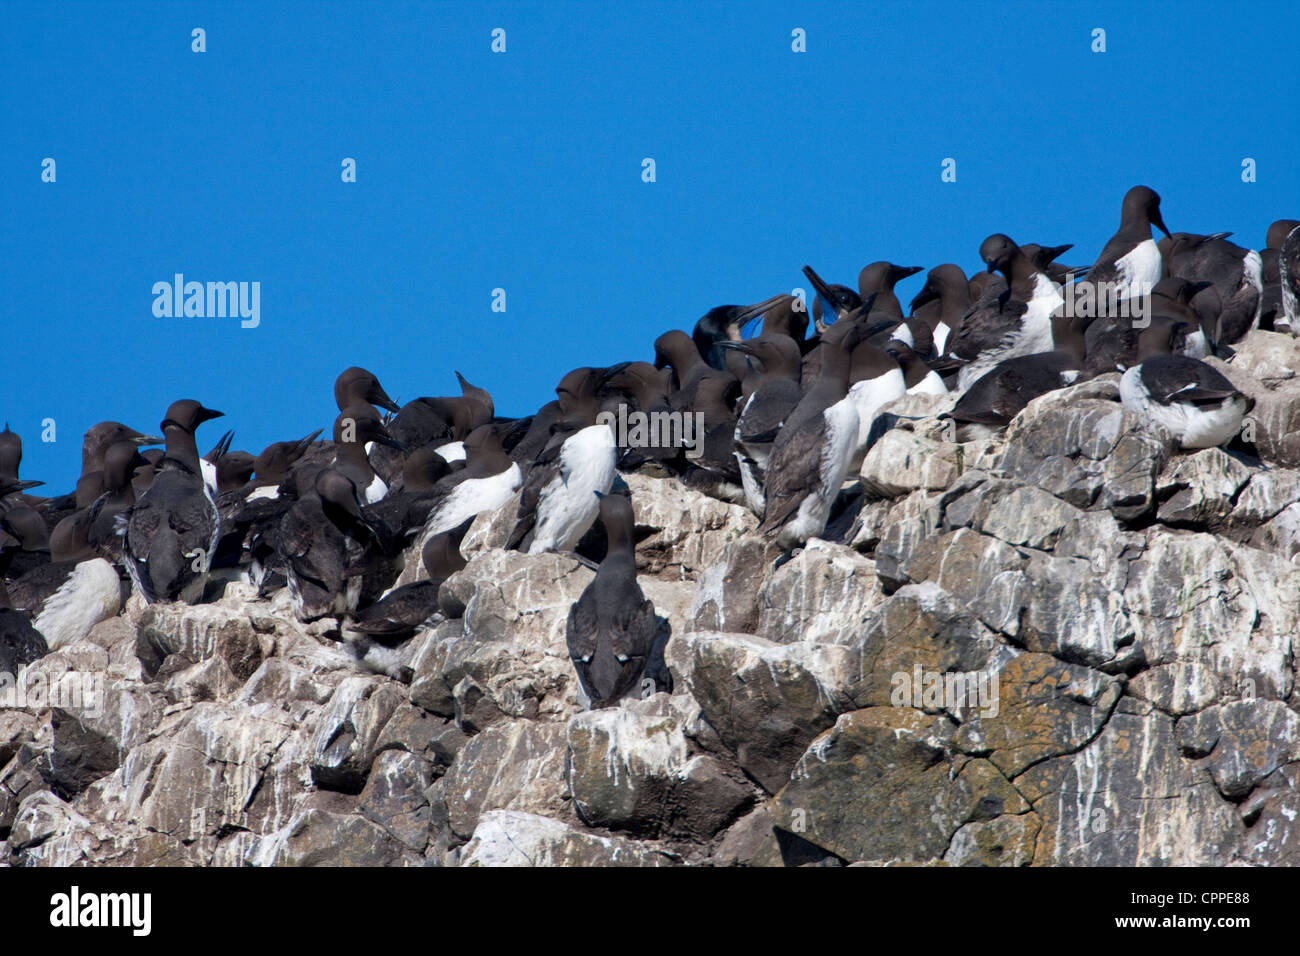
x=523 y=171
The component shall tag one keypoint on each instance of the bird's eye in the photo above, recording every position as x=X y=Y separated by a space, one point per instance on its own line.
x=585 y=658
x=621 y=658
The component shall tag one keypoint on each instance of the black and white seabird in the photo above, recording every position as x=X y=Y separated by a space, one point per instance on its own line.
x=558 y=502
x=831 y=302
x=811 y=454
x=94 y=445
x=1044 y=258
x=405 y=609
x=875 y=378
x=326 y=546
x=105 y=530
x=1016 y=320
x=996 y=397
x=918 y=377
x=354 y=428
x=487 y=482
x=272 y=465
x=65 y=597
x=1272 y=316
x=1235 y=272
x=774 y=397
x=172 y=531
x=876 y=286
x=585 y=462
x=376 y=632
x=942 y=303
x=1289 y=277
x=711 y=465
x=356 y=385
x=1131 y=258
x=725 y=323
x=1195 y=403
x=612 y=627
x=20 y=643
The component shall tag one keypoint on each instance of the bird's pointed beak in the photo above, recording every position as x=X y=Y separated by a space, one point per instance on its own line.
x=1158 y=221
x=737 y=347
x=818 y=283
x=760 y=308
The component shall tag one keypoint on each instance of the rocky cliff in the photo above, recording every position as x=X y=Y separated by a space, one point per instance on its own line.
x=1069 y=645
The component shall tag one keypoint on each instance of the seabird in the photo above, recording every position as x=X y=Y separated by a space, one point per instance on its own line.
x=1272 y=315
x=557 y=504
x=831 y=302
x=585 y=461
x=94 y=445
x=725 y=323
x=996 y=397
x=172 y=531
x=1044 y=258
x=20 y=643
x=711 y=465
x=875 y=379
x=356 y=426
x=403 y=610
x=89 y=592
x=942 y=303
x=1131 y=257
x=1235 y=272
x=120 y=462
x=1015 y=321
x=487 y=481
x=876 y=286
x=1289 y=275
x=323 y=541
x=918 y=377
x=774 y=397
x=356 y=385
x=1196 y=404
x=271 y=467
x=612 y=627
x=811 y=454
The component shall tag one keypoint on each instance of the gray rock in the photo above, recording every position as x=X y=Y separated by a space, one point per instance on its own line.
x=1200 y=490
x=881 y=785
x=321 y=838
x=1243 y=742
x=824 y=593
x=513 y=838
x=768 y=701
x=394 y=797
x=516 y=765
x=631 y=768
x=347 y=734
x=1090 y=452
x=1097 y=805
